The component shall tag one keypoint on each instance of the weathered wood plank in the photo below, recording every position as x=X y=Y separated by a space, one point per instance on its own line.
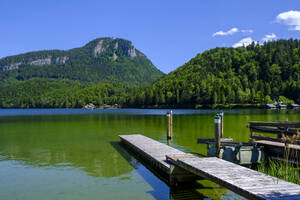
x=261 y=137
x=277 y=124
x=278 y=144
x=244 y=181
x=212 y=140
x=273 y=130
x=153 y=151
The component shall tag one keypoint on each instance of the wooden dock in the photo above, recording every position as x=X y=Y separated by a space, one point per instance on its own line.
x=154 y=154
x=244 y=181
x=181 y=167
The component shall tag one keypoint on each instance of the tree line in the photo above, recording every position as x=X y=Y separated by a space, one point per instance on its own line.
x=252 y=75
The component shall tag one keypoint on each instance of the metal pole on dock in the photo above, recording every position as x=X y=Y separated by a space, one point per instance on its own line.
x=217 y=121
x=222 y=123
x=169 y=125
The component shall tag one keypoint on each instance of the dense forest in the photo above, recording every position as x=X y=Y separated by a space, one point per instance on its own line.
x=252 y=75
x=256 y=74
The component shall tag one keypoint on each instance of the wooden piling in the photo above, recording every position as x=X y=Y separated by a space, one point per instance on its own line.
x=169 y=126
x=222 y=123
x=217 y=121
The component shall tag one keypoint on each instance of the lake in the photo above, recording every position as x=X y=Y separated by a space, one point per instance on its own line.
x=75 y=153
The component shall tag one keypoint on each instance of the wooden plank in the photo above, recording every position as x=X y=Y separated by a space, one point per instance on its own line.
x=274 y=130
x=278 y=144
x=151 y=150
x=244 y=181
x=277 y=124
x=261 y=137
x=212 y=140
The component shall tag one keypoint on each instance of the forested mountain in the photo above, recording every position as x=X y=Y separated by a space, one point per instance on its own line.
x=103 y=59
x=256 y=74
x=252 y=75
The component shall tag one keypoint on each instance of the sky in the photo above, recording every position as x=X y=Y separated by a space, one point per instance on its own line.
x=168 y=32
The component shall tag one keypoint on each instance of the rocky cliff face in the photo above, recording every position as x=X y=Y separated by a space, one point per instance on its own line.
x=115 y=45
x=38 y=62
x=99 y=48
x=132 y=52
x=102 y=46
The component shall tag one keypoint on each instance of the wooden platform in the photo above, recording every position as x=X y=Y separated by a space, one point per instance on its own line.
x=154 y=154
x=244 y=181
x=278 y=144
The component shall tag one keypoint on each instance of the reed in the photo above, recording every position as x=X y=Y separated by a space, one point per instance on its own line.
x=280 y=170
x=284 y=169
x=290 y=154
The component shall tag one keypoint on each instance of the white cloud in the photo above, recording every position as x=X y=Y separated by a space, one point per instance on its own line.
x=244 y=42
x=269 y=37
x=247 y=31
x=290 y=18
x=230 y=32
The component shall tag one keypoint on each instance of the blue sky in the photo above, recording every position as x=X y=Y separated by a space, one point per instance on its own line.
x=169 y=32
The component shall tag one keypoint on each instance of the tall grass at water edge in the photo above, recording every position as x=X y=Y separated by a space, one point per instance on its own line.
x=281 y=170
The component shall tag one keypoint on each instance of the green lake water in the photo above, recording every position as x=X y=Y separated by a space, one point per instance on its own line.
x=75 y=153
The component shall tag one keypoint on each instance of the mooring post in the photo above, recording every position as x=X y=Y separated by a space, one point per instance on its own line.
x=169 y=125
x=222 y=123
x=217 y=121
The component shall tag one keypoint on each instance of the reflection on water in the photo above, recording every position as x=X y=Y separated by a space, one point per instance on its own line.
x=63 y=156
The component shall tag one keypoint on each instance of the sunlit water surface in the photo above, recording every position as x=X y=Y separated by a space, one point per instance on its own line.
x=75 y=153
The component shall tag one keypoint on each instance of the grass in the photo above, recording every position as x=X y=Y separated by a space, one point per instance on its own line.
x=283 y=169
x=280 y=170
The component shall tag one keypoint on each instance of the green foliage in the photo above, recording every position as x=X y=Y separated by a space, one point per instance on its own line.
x=247 y=75
x=62 y=93
x=285 y=100
x=112 y=63
x=227 y=77
x=280 y=170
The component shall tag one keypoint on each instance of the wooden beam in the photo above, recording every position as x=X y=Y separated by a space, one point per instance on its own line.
x=273 y=130
x=260 y=137
x=212 y=140
x=276 y=124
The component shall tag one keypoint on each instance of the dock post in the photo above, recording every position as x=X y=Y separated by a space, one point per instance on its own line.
x=217 y=121
x=169 y=125
x=222 y=123
x=252 y=134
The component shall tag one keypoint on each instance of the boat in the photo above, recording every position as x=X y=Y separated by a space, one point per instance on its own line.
x=271 y=106
x=295 y=106
x=89 y=106
x=282 y=106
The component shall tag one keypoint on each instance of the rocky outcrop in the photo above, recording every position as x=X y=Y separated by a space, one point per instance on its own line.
x=102 y=46
x=116 y=45
x=99 y=48
x=45 y=61
x=132 y=52
x=39 y=62
x=10 y=67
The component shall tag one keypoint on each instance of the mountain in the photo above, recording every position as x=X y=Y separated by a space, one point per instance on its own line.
x=225 y=77
x=256 y=74
x=103 y=59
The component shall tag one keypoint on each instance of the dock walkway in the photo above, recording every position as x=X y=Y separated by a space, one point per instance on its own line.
x=244 y=181
x=154 y=153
